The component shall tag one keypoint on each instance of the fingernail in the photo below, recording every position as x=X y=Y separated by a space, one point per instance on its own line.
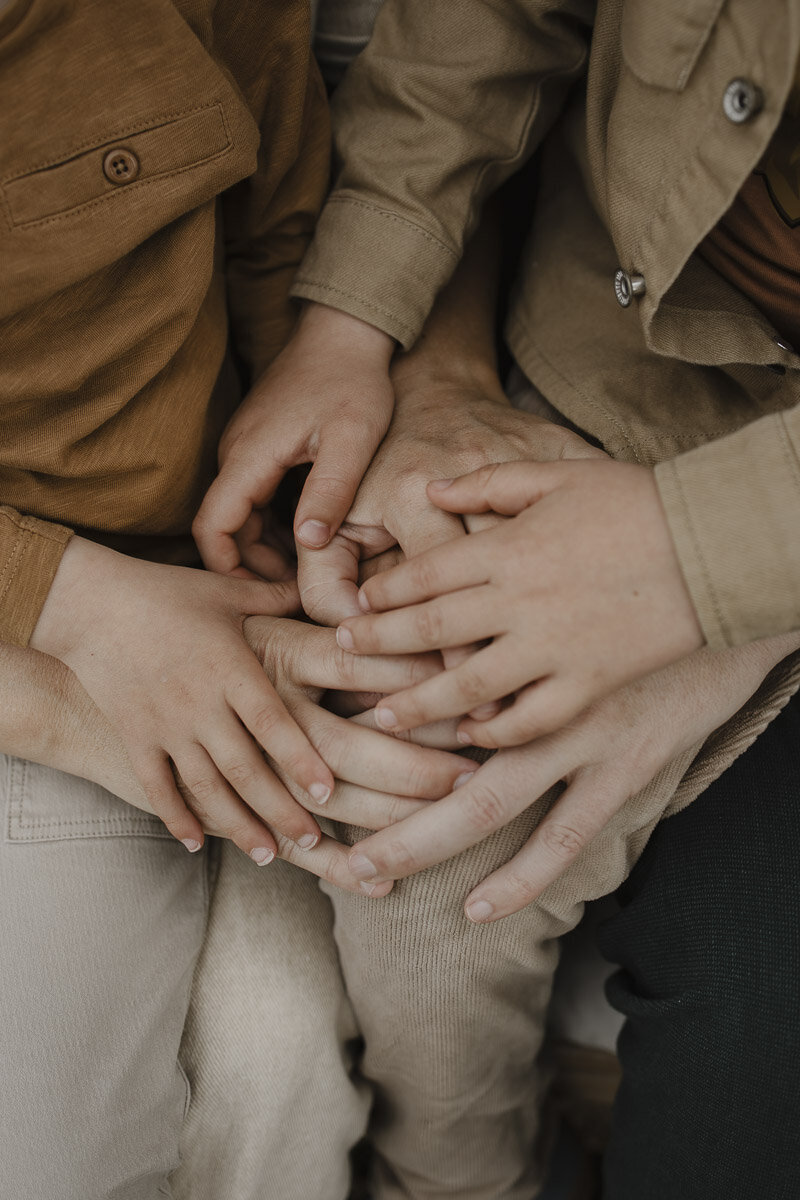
x=369 y=888
x=463 y=778
x=485 y=711
x=320 y=793
x=385 y=718
x=314 y=533
x=464 y=738
x=262 y=855
x=344 y=638
x=307 y=841
x=191 y=844
x=363 y=602
x=361 y=867
x=439 y=485
x=479 y=910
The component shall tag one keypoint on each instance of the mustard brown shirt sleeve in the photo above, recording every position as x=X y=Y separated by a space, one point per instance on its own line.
x=124 y=130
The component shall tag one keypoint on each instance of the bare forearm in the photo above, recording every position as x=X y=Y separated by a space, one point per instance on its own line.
x=47 y=716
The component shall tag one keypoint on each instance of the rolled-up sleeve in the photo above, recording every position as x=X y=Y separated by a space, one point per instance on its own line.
x=733 y=508
x=446 y=102
x=30 y=553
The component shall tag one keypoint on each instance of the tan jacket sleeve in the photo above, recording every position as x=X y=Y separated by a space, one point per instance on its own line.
x=446 y=103
x=733 y=507
x=268 y=227
x=30 y=551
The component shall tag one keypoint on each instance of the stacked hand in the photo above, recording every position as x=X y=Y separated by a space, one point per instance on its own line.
x=580 y=592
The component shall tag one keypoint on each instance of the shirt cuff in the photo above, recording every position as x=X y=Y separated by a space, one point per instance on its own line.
x=733 y=508
x=30 y=553
x=376 y=265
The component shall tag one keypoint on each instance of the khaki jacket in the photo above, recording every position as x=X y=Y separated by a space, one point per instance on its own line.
x=161 y=167
x=629 y=101
x=648 y=115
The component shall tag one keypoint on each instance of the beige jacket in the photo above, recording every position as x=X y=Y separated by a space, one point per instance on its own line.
x=648 y=116
x=645 y=139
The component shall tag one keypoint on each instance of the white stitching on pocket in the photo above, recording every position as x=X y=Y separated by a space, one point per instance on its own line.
x=45 y=805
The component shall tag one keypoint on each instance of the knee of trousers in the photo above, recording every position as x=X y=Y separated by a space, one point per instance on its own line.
x=266 y=1045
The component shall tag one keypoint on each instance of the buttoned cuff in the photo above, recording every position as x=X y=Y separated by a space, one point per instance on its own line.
x=374 y=264
x=733 y=508
x=30 y=553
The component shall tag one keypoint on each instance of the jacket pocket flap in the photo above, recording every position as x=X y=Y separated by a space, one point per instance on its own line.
x=661 y=42
x=169 y=146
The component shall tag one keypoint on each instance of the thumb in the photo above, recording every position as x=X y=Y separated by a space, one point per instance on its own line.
x=333 y=481
x=258 y=598
x=504 y=488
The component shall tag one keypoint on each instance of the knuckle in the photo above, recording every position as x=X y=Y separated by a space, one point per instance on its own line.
x=424 y=575
x=400 y=859
x=471 y=686
x=428 y=626
x=333 y=487
x=239 y=774
x=241 y=833
x=487 y=808
x=563 y=842
x=264 y=722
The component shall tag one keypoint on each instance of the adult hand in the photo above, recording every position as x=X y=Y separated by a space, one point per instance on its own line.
x=441 y=426
x=581 y=592
x=326 y=399
x=606 y=756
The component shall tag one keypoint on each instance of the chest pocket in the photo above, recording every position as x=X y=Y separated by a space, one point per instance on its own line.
x=134 y=158
x=663 y=39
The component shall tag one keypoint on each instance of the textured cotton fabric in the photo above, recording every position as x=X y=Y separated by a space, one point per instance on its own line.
x=625 y=100
x=116 y=298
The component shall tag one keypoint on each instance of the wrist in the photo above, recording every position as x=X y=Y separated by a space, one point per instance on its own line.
x=339 y=330
x=66 y=610
x=447 y=376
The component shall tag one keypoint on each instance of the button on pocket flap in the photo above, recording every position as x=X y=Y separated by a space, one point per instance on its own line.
x=131 y=158
x=662 y=41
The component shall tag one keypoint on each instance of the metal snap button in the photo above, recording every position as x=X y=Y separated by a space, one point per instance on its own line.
x=626 y=286
x=742 y=100
x=120 y=166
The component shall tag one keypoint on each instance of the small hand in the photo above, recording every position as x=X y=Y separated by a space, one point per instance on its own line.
x=581 y=592
x=440 y=427
x=161 y=652
x=326 y=399
x=613 y=750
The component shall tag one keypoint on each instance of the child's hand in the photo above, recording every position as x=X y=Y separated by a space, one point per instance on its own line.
x=161 y=652
x=580 y=592
x=326 y=399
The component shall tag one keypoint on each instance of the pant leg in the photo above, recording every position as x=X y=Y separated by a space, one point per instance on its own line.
x=453 y=1013
x=103 y=916
x=708 y=943
x=274 y=1109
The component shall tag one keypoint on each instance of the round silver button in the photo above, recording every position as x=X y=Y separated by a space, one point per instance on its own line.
x=626 y=286
x=742 y=100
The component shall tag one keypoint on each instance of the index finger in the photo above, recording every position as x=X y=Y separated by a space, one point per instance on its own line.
x=499 y=791
x=226 y=508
